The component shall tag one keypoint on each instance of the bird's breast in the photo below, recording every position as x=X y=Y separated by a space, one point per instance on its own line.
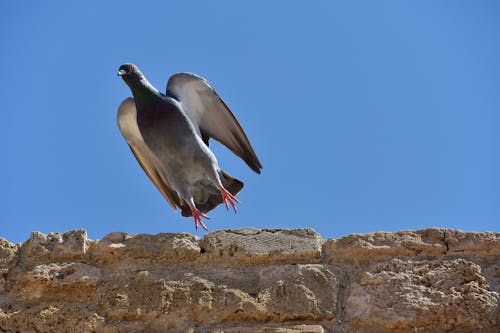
x=169 y=134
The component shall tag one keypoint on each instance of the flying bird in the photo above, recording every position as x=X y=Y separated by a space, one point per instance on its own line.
x=169 y=136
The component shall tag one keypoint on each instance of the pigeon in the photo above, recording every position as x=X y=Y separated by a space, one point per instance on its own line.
x=169 y=136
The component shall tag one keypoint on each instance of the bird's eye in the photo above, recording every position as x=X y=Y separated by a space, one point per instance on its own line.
x=131 y=68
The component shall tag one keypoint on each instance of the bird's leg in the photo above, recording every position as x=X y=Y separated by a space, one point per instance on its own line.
x=227 y=197
x=197 y=215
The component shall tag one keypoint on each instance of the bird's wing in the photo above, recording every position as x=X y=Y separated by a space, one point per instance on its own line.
x=127 y=123
x=212 y=117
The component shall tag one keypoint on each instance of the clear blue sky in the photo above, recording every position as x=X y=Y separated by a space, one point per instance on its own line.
x=367 y=115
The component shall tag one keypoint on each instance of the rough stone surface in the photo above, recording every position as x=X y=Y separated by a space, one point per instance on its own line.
x=251 y=280
x=124 y=249
x=451 y=294
x=71 y=245
x=253 y=246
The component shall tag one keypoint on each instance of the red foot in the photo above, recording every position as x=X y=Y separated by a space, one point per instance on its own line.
x=197 y=215
x=227 y=197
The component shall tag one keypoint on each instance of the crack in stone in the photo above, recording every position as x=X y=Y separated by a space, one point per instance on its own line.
x=445 y=241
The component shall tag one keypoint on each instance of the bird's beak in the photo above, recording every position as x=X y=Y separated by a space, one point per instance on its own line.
x=121 y=72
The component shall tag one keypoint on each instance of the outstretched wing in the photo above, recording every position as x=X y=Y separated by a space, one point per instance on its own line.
x=211 y=116
x=127 y=123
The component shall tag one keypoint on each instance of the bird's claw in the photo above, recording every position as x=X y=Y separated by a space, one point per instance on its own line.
x=197 y=215
x=227 y=197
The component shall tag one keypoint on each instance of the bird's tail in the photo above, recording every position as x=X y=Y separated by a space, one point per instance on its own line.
x=230 y=183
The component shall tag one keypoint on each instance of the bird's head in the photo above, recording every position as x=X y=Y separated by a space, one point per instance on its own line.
x=130 y=73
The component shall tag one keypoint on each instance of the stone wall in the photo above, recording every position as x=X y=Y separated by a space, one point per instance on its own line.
x=250 y=280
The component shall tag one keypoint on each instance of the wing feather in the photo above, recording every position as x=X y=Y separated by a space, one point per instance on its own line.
x=127 y=123
x=211 y=116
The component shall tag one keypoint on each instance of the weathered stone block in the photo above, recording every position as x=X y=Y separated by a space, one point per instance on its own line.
x=267 y=245
x=51 y=282
x=365 y=248
x=56 y=246
x=435 y=296
x=119 y=248
x=485 y=243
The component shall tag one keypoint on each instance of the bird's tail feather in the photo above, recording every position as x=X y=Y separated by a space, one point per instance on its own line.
x=230 y=183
